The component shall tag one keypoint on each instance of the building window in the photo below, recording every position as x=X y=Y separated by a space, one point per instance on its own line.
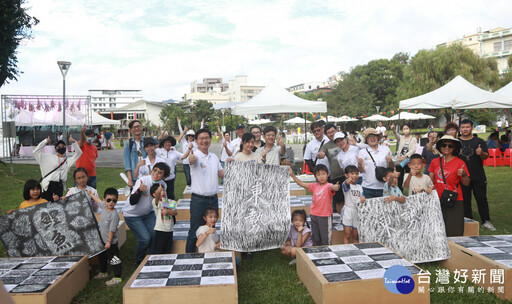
x=130 y=116
x=508 y=45
x=497 y=46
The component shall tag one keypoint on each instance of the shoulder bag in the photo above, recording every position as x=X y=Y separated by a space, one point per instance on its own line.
x=380 y=172
x=448 y=198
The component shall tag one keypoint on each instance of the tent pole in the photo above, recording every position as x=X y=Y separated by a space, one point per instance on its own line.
x=305 y=131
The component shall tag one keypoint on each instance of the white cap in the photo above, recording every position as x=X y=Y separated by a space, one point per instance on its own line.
x=191 y=132
x=338 y=135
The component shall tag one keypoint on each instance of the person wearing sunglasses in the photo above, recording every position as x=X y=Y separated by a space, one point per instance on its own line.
x=315 y=145
x=139 y=214
x=455 y=173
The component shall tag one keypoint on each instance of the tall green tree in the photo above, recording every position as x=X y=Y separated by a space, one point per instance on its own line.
x=431 y=69
x=350 y=97
x=203 y=109
x=15 y=26
x=168 y=117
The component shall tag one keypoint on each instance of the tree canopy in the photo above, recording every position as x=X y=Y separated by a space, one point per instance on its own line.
x=15 y=27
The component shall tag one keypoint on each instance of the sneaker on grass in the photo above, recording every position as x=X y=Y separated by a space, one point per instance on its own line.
x=101 y=275
x=489 y=226
x=113 y=281
x=293 y=262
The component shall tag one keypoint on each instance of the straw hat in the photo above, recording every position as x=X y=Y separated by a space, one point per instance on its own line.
x=371 y=131
x=451 y=139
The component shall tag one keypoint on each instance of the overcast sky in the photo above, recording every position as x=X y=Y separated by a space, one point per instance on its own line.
x=160 y=47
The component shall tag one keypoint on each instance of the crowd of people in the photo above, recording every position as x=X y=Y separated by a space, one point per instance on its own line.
x=349 y=168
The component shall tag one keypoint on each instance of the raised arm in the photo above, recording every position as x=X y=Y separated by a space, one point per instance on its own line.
x=297 y=180
x=179 y=124
x=83 y=138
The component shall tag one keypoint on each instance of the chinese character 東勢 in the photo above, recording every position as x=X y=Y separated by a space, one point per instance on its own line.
x=497 y=276
x=424 y=277
x=443 y=276
x=460 y=276
x=478 y=276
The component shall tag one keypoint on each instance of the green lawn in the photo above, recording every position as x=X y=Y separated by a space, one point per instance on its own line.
x=267 y=278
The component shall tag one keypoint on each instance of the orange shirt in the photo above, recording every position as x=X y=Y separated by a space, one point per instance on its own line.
x=88 y=159
x=26 y=204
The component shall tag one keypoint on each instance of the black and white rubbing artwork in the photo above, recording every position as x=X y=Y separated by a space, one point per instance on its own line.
x=186 y=269
x=349 y=262
x=255 y=207
x=495 y=247
x=66 y=227
x=415 y=230
x=33 y=275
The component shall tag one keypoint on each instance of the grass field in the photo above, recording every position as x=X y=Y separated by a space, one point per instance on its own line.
x=267 y=278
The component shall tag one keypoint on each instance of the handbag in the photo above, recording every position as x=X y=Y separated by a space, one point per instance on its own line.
x=448 y=198
x=380 y=172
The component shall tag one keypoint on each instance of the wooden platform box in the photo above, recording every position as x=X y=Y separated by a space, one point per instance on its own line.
x=484 y=253
x=44 y=280
x=355 y=272
x=184 y=278
x=471 y=227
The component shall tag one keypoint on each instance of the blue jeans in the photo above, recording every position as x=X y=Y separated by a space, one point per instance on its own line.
x=143 y=228
x=186 y=170
x=371 y=193
x=197 y=207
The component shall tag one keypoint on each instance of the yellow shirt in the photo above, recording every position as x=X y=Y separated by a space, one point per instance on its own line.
x=26 y=204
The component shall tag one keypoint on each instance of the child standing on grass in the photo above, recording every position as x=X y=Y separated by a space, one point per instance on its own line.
x=164 y=219
x=416 y=182
x=207 y=238
x=353 y=194
x=321 y=208
x=80 y=175
x=31 y=194
x=109 y=220
x=391 y=189
x=300 y=235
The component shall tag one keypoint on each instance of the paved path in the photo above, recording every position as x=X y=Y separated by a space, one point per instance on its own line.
x=114 y=158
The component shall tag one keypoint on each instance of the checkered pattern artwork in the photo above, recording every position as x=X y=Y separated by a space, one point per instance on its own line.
x=34 y=275
x=350 y=262
x=495 y=247
x=186 y=269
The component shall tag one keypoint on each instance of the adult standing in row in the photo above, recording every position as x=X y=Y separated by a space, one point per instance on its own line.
x=89 y=155
x=430 y=152
x=381 y=129
x=256 y=131
x=186 y=137
x=205 y=170
x=455 y=173
x=234 y=147
x=133 y=151
x=170 y=155
x=336 y=174
x=406 y=147
x=369 y=158
x=473 y=152
x=315 y=145
x=55 y=167
x=270 y=153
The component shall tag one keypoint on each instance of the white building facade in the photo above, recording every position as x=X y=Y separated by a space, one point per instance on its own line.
x=107 y=99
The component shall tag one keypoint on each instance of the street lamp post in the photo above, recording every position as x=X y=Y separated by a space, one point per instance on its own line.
x=64 y=67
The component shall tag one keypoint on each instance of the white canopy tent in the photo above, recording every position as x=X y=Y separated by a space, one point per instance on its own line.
x=275 y=99
x=457 y=94
x=506 y=90
x=97 y=119
x=410 y=116
x=376 y=117
x=259 y=121
x=296 y=120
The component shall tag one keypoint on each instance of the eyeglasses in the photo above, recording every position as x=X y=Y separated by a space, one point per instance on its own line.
x=447 y=146
x=158 y=171
x=317 y=130
x=136 y=127
x=111 y=200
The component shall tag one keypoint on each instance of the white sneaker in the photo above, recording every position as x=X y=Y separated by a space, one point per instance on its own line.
x=489 y=226
x=293 y=262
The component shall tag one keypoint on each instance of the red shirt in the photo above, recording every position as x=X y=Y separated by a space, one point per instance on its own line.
x=88 y=159
x=322 y=199
x=450 y=169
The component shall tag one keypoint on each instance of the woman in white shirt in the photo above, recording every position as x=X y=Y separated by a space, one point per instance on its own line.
x=170 y=155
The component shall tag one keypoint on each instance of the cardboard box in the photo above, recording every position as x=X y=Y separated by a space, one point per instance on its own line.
x=471 y=227
x=357 y=286
x=487 y=253
x=62 y=290
x=214 y=281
